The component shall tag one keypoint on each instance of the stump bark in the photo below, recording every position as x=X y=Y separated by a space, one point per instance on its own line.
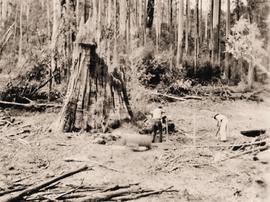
x=95 y=97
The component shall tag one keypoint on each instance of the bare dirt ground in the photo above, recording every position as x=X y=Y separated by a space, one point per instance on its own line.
x=31 y=154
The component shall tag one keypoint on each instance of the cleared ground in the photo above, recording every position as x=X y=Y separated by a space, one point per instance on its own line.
x=188 y=160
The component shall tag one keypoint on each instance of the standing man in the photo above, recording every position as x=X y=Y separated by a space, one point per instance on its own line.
x=157 y=115
x=222 y=124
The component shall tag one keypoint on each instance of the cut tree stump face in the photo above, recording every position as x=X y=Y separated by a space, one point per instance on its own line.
x=95 y=98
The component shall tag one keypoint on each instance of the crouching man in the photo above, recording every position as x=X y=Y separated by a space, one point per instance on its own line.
x=222 y=124
x=157 y=115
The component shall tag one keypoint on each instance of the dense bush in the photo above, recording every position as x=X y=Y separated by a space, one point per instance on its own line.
x=155 y=71
x=204 y=73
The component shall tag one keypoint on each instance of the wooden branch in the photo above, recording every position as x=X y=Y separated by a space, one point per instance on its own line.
x=179 y=98
x=92 y=162
x=2 y=193
x=66 y=193
x=193 y=97
x=231 y=145
x=133 y=197
x=6 y=37
x=246 y=152
x=34 y=189
x=169 y=96
x=115 y=187
x=105 y=196
x=29 y=105
x=44 y=83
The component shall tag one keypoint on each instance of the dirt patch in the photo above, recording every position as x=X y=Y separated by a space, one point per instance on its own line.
x=184 y=161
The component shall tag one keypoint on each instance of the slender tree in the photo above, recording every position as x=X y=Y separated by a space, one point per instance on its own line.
x=170 y=22
x=216 y=31
x=149 y=16
x=228 y=28
x=197 y=36
x=206 y=24
x=187 y=26
x=158 y=20
x=48 y=18
x=180 y=32
x=201 y=22
x=21 y=34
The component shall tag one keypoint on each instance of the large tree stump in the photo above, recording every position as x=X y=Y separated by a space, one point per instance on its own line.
x=95 y=97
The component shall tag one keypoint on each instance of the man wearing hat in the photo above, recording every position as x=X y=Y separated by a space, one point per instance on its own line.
x=157 y=115
x=222 y=124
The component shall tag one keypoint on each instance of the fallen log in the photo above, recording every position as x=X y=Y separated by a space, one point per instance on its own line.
x=29 y=105
x=117 y=186
x=192 y=97
x=178 y=98
x=169 y=96
x=246 y=152
x=2 y=193
x=133 y=197
x=230 y=145
x=105 y=196
x=34 y=189
x=66 y=193
x=92 y=162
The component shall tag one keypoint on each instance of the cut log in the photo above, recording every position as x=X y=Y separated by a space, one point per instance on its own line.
x=34 y=189
x=138 y=140
x=29 y=105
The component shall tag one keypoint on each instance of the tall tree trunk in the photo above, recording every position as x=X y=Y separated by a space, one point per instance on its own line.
x=250 y=76
x=115 y=53
x=228 y=29
x=187 y=26
x=149 y=16
x=78 y=13
x=206 y=25
x=48 y=19
x=128 y=27
x=109 y=8
x=15 y=25
x=27 y=6
x=180 y=33
x=85 y=11
x=62 y=41
x=201 y=23
x=4 y=12
x=216 y=30
x=158 y=20
x=122 y=18
x=99 y=21
x=56 y=20
x=21 y=35
x=211 y=44
x=197 y=37
x=170 y=16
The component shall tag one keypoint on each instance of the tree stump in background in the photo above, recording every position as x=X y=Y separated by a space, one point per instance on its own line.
x=96 y=98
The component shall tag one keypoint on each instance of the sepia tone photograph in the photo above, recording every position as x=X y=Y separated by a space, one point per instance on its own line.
x=135 y=100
